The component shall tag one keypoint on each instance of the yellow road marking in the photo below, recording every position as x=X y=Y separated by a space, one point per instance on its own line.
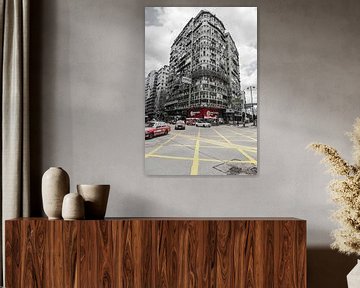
x=195 y=164
x=225 y=144
x=251 y=138
x=221 y=143
x=251 y=151
x=161 y=145
x=212 y=143
x=230 y=137
x=200 y=159
x=213 y=136
x=202 y=146
x=239 y=149
x=242 y=135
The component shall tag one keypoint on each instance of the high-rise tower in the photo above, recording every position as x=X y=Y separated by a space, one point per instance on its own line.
x=204 y=69
x=150 y=93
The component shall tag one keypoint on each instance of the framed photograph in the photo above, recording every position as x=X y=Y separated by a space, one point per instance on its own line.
x=201 y=91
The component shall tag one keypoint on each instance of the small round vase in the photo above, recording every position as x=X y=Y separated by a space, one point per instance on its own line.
x=55 y=185
x=96 y=198
x=73 y=207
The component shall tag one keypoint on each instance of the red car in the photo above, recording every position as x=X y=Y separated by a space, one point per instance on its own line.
x=153 y=129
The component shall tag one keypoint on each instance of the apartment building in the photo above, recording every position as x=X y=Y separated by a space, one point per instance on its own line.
x=150 y=93
x=204 y=69
x=161 y=91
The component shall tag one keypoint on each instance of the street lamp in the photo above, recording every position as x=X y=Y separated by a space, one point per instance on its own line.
x=252 y=103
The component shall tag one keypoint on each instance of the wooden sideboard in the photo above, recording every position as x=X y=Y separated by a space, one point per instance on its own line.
x=156 y=252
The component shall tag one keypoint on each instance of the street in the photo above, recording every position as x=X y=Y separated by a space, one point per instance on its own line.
x=219 y=150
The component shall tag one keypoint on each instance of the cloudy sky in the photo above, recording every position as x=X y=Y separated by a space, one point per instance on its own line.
x=163 y=25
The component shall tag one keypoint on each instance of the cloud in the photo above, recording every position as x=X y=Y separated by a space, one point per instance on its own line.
x=151 y=16
x=163 y=25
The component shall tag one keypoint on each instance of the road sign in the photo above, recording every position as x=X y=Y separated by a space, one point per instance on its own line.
x=186 y=80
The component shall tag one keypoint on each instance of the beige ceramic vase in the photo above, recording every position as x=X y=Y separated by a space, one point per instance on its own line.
x=55 y=185
x=96 y=198
x=73 y=207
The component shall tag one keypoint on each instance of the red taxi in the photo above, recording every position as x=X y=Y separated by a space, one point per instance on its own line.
x=153 y=129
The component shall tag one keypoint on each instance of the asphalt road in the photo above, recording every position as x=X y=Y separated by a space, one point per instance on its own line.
x=219 y=150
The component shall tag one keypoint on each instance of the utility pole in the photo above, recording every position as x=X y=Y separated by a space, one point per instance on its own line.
x=243 y=112
x=252 y=102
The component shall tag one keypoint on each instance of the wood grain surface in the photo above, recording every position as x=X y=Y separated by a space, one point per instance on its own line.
x=162 y=252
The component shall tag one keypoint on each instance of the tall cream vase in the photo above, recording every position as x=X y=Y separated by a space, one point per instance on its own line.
x=55 y=185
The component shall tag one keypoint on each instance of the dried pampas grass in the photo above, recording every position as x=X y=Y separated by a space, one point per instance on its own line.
x=345 y=191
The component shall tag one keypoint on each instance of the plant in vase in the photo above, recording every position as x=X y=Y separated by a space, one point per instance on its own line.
x=345 y=192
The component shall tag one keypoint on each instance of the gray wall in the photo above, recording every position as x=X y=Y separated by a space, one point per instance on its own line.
x=87 y=86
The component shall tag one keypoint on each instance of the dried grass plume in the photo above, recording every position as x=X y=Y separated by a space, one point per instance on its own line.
x=345 y=192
